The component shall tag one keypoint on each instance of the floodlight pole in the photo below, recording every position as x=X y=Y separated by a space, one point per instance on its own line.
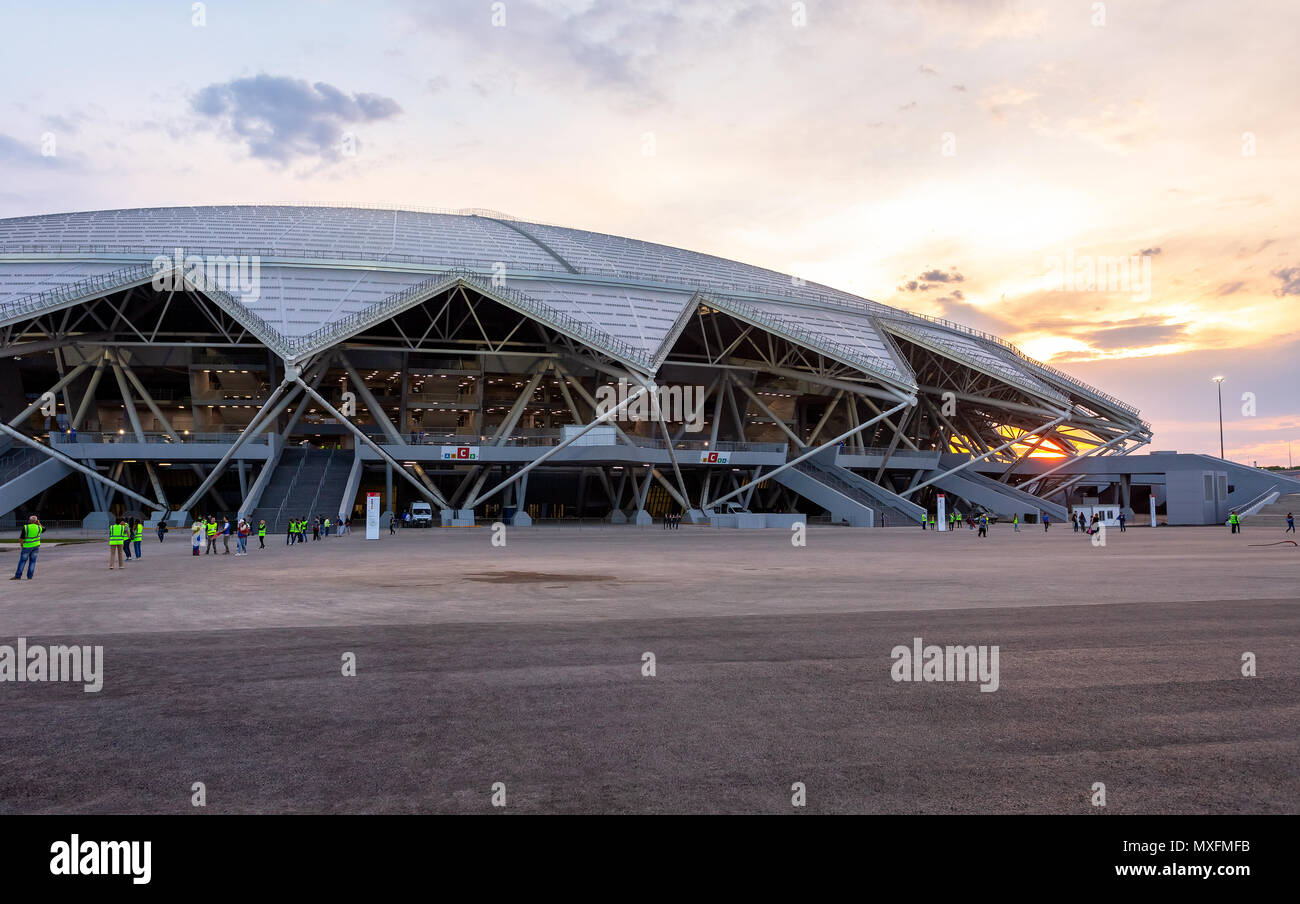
x=1219 y=382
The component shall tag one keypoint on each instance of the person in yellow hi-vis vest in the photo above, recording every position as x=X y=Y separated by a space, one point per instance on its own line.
x=138 y=538
x=117 y=535
x=31 y=545
x=261 y=534
x=211 y=530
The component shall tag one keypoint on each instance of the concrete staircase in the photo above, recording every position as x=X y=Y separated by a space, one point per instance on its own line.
x=836 y=497
x=889 y=506
x=1274 y=514
x=996 y=497
x=306 y=483
x=24 y=473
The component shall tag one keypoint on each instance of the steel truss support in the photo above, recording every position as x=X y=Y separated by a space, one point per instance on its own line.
x=753 y=397
x=829 y=444
x=377 y=411
x=966 y=464
x=129 y=403
x=1038 y=478
x=586 y=397
x=31 y=409
x=89 y=397
x=502 y=433
x=608 y=415
x=653 y=390
x=78 y=466
x=251 y=430
x=431 y=494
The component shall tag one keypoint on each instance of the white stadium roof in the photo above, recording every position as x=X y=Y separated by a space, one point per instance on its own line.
x=325 y=270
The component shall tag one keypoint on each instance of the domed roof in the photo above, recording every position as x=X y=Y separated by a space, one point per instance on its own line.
x=323 y=273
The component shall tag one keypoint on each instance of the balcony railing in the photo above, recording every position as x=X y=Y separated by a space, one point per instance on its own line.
x=227 y=436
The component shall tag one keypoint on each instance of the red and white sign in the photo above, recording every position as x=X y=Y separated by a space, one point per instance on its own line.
x=460 y=453
x=372 y=516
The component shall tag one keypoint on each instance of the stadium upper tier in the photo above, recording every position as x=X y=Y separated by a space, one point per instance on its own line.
x=323 y=273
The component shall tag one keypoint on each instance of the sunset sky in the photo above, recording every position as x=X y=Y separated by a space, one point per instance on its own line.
x=952 y=157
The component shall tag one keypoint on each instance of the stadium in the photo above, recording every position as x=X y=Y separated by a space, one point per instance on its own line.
x=277 y=361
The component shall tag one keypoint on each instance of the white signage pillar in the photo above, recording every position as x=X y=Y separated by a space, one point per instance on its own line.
x=941 y=515
x=372 y=516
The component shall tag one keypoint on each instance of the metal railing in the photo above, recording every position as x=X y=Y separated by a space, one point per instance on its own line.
x=1259 y=501
x=293 y=482
x=881 y=451
x=990 y=337
x=838 y=350
x=18 y=462
x=77 y=291
x=329 y=460
x=108 y=436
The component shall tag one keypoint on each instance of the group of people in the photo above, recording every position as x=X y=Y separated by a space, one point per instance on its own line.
x=672 y=520
x=296 y=529
x=978 y=523
x=123 y=535
x=207 y=529
x=1089 y=526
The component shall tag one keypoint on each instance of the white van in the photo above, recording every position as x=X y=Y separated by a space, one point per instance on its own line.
x=421 y=514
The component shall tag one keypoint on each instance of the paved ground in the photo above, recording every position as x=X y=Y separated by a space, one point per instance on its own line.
x=477 y=664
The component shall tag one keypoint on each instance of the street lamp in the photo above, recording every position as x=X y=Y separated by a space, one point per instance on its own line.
x=1219 y=381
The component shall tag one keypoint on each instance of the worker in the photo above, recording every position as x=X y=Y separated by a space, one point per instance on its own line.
x=932 y=524
x=210 y=530
x=30 y=537
x=117 y=534
x=261 y=534
x=327 y=526
x=138 y=537
x=1015 y=522
x=1235 y=521
x=130 y=529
